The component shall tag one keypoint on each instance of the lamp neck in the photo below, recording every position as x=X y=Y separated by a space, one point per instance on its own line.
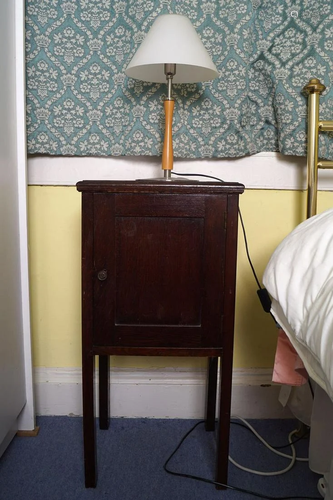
x=169 y=71
x=167 y=175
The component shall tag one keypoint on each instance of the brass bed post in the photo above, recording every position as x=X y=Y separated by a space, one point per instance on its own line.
x=313 y=89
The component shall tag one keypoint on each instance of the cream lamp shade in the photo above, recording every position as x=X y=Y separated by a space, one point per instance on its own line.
x=172 y=40
x=172 y=51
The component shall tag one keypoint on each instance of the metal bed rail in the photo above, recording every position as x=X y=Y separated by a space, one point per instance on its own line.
x=314 y=89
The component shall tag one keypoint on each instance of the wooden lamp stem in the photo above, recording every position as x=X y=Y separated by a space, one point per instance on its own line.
x=167 y=156
x=169 y=104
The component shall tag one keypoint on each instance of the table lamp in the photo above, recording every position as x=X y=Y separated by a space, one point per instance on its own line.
x=173 y=52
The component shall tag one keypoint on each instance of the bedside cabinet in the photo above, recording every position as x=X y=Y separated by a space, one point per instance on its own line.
x=158 y=279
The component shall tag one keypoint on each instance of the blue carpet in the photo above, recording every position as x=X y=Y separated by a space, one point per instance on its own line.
x=131 y=455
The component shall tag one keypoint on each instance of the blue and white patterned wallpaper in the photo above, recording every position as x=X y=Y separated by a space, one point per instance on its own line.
x=79 y=101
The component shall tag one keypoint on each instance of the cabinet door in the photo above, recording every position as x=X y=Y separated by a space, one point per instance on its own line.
x=159 y=270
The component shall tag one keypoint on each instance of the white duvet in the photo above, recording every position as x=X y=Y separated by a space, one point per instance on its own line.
x=299 y=278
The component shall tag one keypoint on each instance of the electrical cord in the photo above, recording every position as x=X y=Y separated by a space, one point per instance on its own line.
x=240 y=216
x=247 y=250
x=227 y=486
x=262 y=292
x=311 y=387
x=265 y=300
x=273 y=473
x=280 y=447
x=274 y=450
x=248 y=426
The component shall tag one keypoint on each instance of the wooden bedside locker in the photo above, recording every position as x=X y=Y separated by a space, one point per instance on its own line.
x=158 y=279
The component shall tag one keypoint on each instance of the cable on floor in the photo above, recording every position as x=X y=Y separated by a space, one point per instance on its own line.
x=265 y=302
x=305 y=435
x=292 y=457
x=227 y=486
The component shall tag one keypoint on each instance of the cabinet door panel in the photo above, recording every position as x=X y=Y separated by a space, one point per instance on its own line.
x=159 y=274
x=162 y=276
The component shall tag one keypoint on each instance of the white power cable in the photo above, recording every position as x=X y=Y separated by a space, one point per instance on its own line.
x=292 y=457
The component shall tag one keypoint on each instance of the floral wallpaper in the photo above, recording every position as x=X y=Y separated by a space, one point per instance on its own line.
x=79 y=101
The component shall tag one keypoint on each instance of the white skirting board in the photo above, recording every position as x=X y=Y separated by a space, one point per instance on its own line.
x=167 y=393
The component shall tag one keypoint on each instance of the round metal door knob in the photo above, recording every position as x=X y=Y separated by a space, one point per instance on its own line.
x=102 y=275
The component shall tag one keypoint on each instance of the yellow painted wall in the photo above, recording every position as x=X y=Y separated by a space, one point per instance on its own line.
x=54 y=250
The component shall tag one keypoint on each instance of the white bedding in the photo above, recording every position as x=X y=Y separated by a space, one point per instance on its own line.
x=299 y=277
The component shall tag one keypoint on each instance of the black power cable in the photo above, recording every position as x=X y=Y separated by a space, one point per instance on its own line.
x=262 y=292
x=227 y=486
x=280 y=447
x=266 y=303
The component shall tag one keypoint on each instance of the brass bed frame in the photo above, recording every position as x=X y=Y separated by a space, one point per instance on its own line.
x=313 y=89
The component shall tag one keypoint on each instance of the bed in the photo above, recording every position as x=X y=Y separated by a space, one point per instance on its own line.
x=299 y=278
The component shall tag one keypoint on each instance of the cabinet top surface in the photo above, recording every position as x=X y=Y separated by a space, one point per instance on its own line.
x=160 y=186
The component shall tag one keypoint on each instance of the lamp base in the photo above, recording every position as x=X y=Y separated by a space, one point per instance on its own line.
x=167 y=178
x=176 y=180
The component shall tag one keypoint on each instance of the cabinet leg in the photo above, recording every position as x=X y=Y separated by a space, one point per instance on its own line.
x=104 y=399
x=89 y=444
x=211 y=394
x=224 y=421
